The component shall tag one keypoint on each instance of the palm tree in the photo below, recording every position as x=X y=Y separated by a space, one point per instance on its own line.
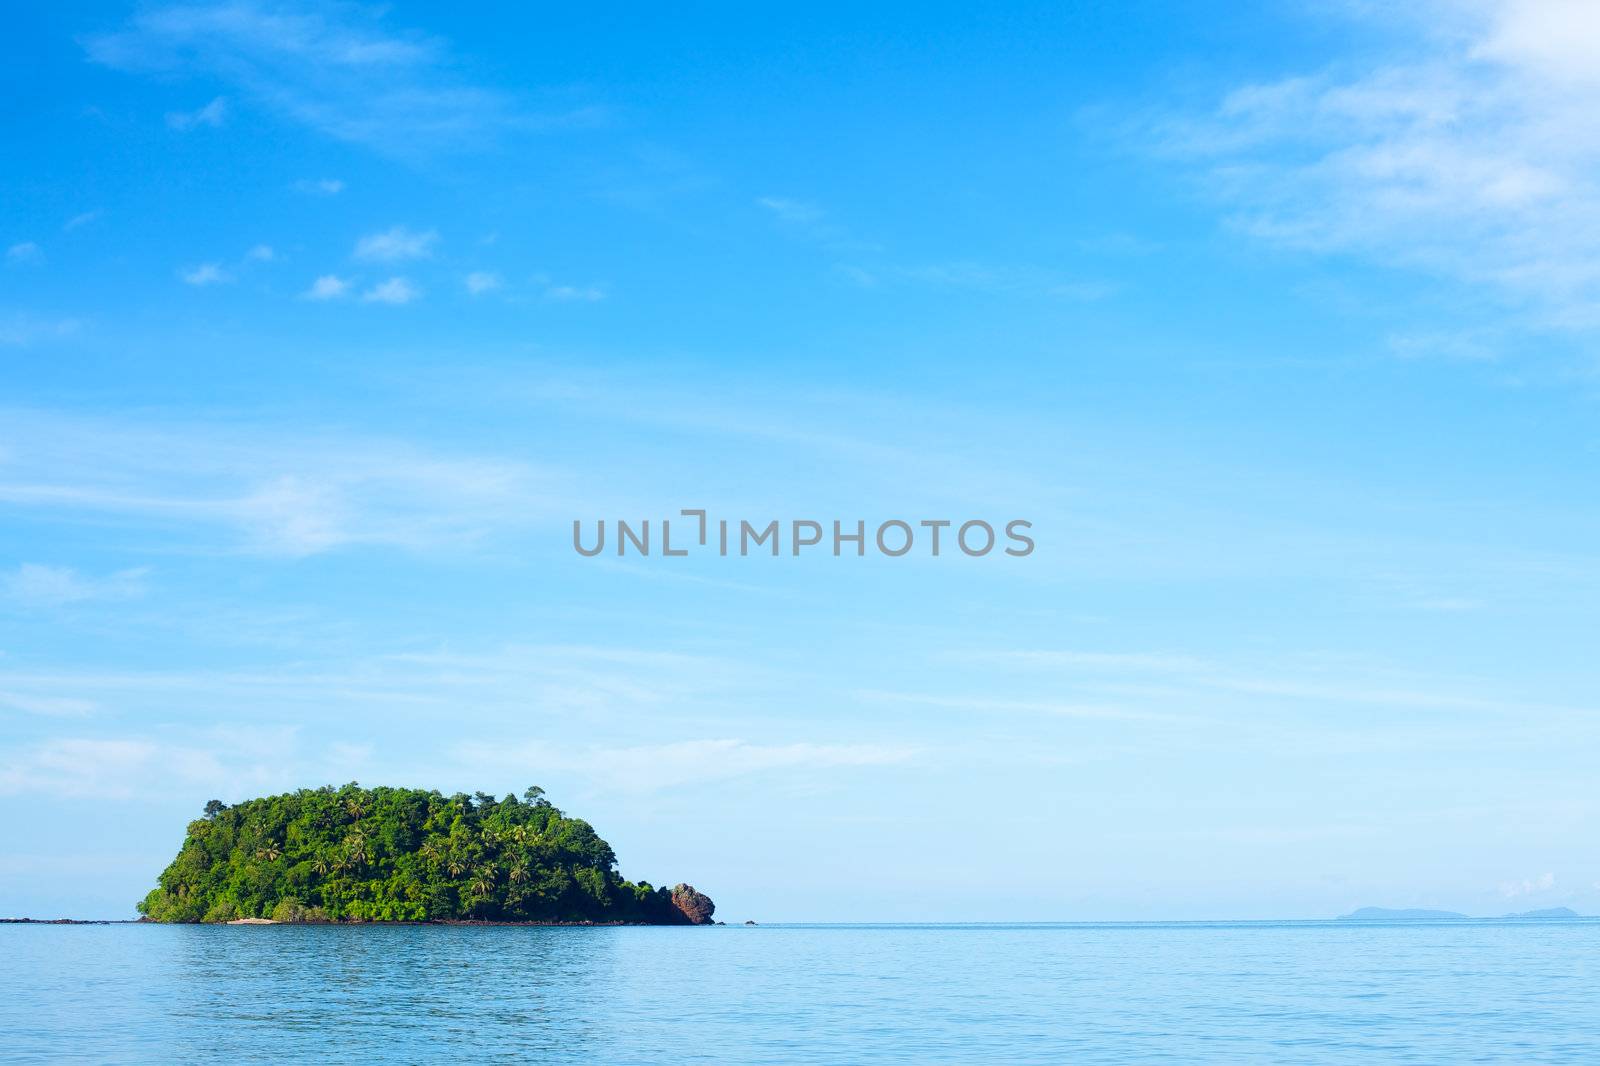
x=519 y=873
x=456 y=866
x=483 y=883
x=320 y=864
x=270 y=852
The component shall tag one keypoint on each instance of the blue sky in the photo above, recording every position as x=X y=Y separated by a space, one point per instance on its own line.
x=319 y=325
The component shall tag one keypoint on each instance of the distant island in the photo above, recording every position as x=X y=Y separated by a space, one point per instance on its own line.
x=1407 y=914
x=1387 y=914
x=356 y=854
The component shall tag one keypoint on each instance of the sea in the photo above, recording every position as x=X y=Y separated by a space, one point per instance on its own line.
x=1192 y=992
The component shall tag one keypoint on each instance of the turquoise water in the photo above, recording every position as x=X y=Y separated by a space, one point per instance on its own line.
x=1191 y=992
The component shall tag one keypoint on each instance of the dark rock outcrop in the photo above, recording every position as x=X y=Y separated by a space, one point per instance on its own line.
x=696 y=907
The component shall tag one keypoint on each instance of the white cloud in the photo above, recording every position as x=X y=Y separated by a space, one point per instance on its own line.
x=46 y=706
x=233 y=762
x=21 y=330
x=810 y=222
x=652 y=767
x=988 y=705
x=396 y=244
x=859 y=276
x=53 y=586
x=262 y=253
x=327 y=287
x=394 y=291
x=77 y=767
x=1558 y=38
x=22 y=251
x=336 y=69
x=1528 y=886
x=213 y=114
x=1453 y=345
x=301 y=515
x=205 y=274
x=80 y=220
x=1083 y=291
x=320 y=187
x=1478 y=160
x=1002 y=280
x=788 y=210
x=222 y=760
x=1186 y=678
x=575 y=293
x=286 y=494
x=479 y=282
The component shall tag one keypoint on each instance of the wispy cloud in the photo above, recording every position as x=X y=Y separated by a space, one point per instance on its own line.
x=481 y=281
x=327 y=287
x=213 y=114
x=1009 y=280
x=575 y=293
x=395 y=244
x=1528 y=886
x=615 y=687
x=22 y=252
x=205 y=274
x=46 y=706
x=395 y=291
x=80 y=220
x=35 y=585
x=1457 y=345
x=562 y=292
x=320 y=186
x=990 y=705
x=337 y=69
x=277 y=494
x=234 y=761
x=77 y=767
x=651 y=767
x=1474 y=159
x=798 y=212
x=1175 y=678
x=215 y=273
x=810 y=222
x=20 y=330
x=220 y=759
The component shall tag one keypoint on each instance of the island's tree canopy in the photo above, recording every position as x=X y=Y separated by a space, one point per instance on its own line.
x=396 y=854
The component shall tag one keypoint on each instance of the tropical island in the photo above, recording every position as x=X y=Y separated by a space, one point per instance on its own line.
x=356 y=854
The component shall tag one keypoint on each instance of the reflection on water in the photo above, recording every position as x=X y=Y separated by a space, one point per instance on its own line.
x=1307 y=991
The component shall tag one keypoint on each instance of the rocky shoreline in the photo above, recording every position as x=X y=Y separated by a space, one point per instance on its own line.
x=269 y=921
x=73 y=921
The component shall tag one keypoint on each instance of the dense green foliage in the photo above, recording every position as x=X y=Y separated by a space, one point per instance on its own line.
x=395 y=854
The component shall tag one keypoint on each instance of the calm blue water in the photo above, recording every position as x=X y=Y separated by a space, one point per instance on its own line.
x=1222 y=992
